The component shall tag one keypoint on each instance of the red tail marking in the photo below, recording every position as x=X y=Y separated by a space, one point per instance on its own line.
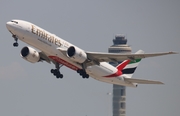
x=123 y=64
x=118 y=73
x=120 y=68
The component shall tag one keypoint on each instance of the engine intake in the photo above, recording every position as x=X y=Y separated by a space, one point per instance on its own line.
x=30 y=54
x=76 y=54
x=71 y=51
x=135 y=84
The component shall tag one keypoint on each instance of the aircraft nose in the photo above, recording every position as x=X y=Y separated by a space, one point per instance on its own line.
x=9 y=25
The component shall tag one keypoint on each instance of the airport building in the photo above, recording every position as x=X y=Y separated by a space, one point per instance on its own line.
x=119 y=92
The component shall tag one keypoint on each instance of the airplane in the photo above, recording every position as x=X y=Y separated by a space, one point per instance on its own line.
x=53 y=49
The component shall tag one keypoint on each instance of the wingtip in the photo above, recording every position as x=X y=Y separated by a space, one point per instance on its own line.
x=173 y=52
x=161 y=83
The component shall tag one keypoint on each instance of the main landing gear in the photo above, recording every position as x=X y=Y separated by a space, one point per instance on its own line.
x=56 y=71
x=83 y=73
x=15 y=44
x=58 y=75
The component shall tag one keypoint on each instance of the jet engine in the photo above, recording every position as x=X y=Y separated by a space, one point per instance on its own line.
x=76 y=54
x=135 y=84
x=30 y=54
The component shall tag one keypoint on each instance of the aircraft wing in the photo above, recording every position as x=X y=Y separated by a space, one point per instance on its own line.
x=141 y=81
x=115 y=57
x=62 y=50
x=44 y=57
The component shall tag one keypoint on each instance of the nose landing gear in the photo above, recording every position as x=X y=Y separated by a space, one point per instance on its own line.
x=15 y=44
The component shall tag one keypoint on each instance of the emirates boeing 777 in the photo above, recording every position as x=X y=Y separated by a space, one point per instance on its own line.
x=53 y=49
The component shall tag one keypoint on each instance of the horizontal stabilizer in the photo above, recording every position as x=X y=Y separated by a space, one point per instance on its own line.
x=141 y=81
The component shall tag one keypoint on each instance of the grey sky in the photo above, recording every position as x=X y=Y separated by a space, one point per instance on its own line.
x=31 y=90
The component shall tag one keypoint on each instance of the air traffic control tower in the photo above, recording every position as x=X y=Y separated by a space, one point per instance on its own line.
x=119 y=92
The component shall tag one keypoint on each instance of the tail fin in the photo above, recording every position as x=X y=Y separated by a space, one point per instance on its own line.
x=128 y=67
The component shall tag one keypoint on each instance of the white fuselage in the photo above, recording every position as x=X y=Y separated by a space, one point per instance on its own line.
x=48 y=44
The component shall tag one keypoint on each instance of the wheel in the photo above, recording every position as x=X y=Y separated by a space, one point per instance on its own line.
x=57 y=76
x=78 y=71
x=87 y=76
x=61 y=75
x=15 y=44
x=81 y=72
x=52 y=70
x=83 y=76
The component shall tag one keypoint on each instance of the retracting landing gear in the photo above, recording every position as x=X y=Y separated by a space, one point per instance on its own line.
x=15 y=44
x=82 y=71
x=56 y=71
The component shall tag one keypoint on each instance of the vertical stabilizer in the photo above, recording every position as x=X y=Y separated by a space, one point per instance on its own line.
x=128 y=67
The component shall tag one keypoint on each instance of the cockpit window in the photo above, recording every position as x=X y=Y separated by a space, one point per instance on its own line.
x=15 y=22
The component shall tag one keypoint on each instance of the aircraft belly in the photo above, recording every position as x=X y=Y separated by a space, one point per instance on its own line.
x=101 y=70
x=65 y=62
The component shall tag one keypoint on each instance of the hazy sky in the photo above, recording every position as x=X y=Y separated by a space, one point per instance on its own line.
x=31 y=90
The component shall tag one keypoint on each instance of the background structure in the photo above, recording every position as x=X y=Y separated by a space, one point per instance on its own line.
x=119 y=92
